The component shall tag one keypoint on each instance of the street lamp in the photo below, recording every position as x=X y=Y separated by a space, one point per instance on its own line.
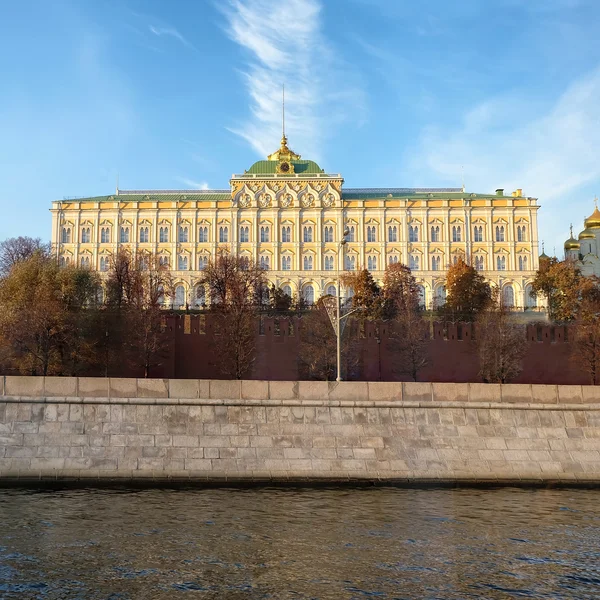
x=339 y=308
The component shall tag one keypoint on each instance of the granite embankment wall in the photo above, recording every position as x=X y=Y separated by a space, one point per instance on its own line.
x=94 y=428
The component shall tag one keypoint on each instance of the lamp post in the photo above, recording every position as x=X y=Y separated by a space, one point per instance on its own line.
x=339 y=309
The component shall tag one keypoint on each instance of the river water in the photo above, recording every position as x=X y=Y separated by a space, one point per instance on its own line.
x=300 y=543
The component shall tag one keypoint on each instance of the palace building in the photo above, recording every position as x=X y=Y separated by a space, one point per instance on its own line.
x=289 y=215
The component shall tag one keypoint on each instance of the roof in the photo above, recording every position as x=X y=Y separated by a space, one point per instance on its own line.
x=269 y=167
x=370 y=193
x=158 y=196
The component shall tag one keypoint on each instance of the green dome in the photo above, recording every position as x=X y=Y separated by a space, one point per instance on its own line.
x=269 y=167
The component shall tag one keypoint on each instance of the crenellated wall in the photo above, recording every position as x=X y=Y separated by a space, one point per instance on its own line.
x=102 y=429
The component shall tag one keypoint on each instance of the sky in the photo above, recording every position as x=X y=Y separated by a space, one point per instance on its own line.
x=389 y=93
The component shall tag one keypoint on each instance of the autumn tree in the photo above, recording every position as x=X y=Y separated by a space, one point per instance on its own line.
x=410 y=333
x=137 y=287
x=367 y=297
x=467 y=291
x=585 y=349
x=562 y=285
x=42 y=315
x=15 y=250
x=236 y=287
x=500 y=344
x=317 y=355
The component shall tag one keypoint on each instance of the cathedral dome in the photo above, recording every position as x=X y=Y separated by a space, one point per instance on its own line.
x=571 y=244
x=587 y=234
x=593 y=221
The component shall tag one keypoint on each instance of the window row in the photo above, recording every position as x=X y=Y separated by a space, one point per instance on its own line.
x=286 y=234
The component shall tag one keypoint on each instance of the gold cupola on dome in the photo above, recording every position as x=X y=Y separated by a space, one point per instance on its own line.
x=593 y=221
x=572 y=243
x=587 y=234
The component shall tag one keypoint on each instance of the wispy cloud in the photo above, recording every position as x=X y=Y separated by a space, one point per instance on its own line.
x=552 y=156
x=195 y=185
x=171 y=31
x=286 y=46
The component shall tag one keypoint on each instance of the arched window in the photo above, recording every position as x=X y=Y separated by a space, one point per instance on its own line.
x=182 y=263
x=350 y=236
x=179 y=296
x=164 y=235
x=421 y=295
x=413 y=233
x=202 y=262
x=308 y=263
x=521 y=233
x=499 y=233
x=286 y=263
x=413 y=262
x=286 y=234
x=286 y=289
x=105 y=235
x=435 y=233
x=104 y=263
x=163 y=261
x=329 y=234
x=501 y=263
x=440 y=296
x=393 y=259
x=372 y=263
x=124 y=235
x=350 y=263
x=203 y=234
x=330 y=290
x=309 y=294
x=223 y=234
x=264 y=233
x=508 y=296
x=144 y=235
x=265 y=262
x=200 y=296
x=479 y=263
x=435 y=263
x=329 y=263
x=456 y=233
x=392 y=233
x=522 y=263
x=530 y=301
x=478 y=233
x=308 y=234
x=371 y=234
x=183 y=234
x=85 y=235
x=244 y=233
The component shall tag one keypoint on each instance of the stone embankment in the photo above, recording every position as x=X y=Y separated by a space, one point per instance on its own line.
x=200 y=430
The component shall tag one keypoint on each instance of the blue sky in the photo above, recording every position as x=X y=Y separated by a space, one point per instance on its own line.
x=390 y=93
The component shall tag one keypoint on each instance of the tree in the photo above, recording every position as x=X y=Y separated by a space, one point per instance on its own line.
x=563 y=286
x=318 y=350
x=236 y=289
x=367 y=294
x=500 y=344
x=586 y=342
x=136 y=289
x=15 y=250
x=279 y=300
x=468 y=293
x=400 y=290
x=411 y=334
x=42 y=312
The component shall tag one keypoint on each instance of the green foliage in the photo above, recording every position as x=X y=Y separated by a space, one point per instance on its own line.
x=368 y=297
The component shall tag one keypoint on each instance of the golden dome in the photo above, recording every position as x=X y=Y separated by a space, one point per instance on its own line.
x=587 y=234
x=593 y=221
x=571 y=244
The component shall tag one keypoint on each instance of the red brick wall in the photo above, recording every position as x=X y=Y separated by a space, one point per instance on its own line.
x=451 y=350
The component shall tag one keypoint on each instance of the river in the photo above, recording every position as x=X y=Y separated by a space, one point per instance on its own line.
x=291 y=543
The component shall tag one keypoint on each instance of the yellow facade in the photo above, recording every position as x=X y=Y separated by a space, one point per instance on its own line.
x=290 y=216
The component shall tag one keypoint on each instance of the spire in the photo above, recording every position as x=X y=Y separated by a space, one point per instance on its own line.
x=571 y=229
x=283 y=111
